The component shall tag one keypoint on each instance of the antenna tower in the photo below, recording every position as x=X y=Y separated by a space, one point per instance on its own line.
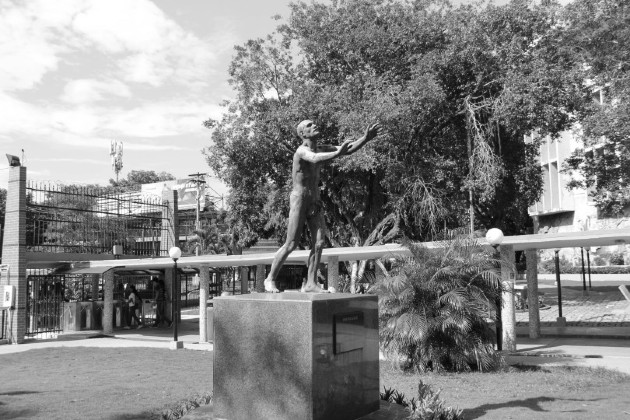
x=116 y=154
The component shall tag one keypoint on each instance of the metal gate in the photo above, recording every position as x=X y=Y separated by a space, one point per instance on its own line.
x=44 y=305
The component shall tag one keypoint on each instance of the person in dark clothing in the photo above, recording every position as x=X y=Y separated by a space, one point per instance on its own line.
x=134 y=307
x=159 y=294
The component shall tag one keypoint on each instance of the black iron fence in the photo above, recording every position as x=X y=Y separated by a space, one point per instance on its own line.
x=91 y=220
x=44 y=304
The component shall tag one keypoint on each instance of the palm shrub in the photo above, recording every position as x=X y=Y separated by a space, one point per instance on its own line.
x=435 y=305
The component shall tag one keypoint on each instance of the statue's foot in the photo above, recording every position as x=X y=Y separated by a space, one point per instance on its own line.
x=270 y=286
x=313 y=289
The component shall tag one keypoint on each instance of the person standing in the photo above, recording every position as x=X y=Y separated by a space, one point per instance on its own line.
x=134 y=305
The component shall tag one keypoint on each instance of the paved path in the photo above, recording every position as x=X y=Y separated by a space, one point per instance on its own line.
x=188 y=333
x=602 y=306
x=594 y=352
x=579 y=345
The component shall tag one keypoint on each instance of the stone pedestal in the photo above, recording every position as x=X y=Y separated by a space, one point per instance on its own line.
x=295 y=356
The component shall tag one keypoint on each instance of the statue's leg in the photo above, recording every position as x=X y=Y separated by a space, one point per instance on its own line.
x=297 y=217
x=317 y=227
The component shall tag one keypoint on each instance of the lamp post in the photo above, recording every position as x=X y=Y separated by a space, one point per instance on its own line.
x=175 y=253
x=494 y=237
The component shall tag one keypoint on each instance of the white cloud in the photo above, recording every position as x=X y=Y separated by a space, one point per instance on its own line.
x=169 y=118
x=26 y=52
x=91 y=126
x=91 y=90
x=70 y=160
x=142 y=44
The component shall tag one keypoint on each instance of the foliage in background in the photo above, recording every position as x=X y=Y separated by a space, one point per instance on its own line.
x=456 y=90
x=598 y=33
x=566 y=267
x=435 y=306
x=136 y=178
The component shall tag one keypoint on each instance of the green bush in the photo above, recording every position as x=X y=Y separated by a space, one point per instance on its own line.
x=434 y=308
x=548 y=267
x=181 y=408
x=616 y=258
x=428 y=406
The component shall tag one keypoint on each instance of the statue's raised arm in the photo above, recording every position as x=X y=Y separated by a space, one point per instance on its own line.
x=370 y=133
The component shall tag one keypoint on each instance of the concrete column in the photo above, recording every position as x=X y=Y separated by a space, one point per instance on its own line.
x=95 y=278
x=108 y=302
x=508 y=314
x=333 y=273
x=244 y=280
x=170 y=235
x=531 y=255
x=260 y=278
x=14 y=252
x=204 y=281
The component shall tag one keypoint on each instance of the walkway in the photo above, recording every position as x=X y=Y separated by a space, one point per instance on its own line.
x=593 y=352
x=188 y=333
x=602 y=306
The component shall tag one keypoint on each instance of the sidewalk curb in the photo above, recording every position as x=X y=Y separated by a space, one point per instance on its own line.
x=557 y=355
x=578 y=335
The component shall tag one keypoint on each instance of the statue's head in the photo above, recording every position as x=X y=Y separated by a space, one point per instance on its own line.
x=307 y=129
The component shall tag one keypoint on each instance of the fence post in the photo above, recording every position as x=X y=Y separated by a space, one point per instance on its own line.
x=14 y=252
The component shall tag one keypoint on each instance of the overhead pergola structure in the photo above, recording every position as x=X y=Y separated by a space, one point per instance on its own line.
x=332 y=256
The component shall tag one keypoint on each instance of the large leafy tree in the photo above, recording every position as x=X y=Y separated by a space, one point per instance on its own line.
x=455 y=89
x=598 y=32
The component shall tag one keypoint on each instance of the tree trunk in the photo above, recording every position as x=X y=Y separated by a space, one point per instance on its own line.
x=469 y=146
x=353 y=276
x=380 y=265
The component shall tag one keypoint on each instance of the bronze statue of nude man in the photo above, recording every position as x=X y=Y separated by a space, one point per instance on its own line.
x=305 y=204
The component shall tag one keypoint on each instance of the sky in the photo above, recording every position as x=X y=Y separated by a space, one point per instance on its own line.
x=77 y=74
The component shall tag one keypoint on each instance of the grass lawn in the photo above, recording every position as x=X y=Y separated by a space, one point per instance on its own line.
x=136 y=383
x=99 y=383
x=525 y=392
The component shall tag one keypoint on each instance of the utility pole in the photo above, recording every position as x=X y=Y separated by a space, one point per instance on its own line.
x=199 y=181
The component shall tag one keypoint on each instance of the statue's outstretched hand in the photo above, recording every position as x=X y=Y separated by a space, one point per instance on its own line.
x=372 y=131
x=343 y=149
